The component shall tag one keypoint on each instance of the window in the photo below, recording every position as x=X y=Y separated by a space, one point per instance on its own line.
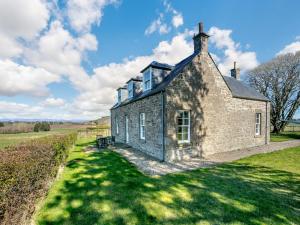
x=119 y=96
x=117 y=126
x=257 y=123
x=147 y=79
x=183 y=127
x=130 y=89
x=142 y=126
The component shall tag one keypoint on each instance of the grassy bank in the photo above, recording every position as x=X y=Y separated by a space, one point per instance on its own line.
x=103 y=188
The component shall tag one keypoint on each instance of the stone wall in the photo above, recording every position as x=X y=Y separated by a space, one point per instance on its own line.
x=219 y=122
x=151 y=106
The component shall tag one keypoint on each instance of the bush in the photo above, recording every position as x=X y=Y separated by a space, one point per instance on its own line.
x=26 y=170
x=43 y=126
x=36 y=127
x=15 y=128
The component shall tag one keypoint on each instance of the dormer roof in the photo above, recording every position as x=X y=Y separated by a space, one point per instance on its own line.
x=158 y=65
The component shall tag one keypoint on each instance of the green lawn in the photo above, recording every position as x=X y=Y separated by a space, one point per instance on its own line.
x=103 y=188
x=285 y=136
x=11 y=139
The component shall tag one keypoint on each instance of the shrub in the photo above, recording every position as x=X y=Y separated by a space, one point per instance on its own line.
x=25 y=173
x=15 y=128
x=43 y=126
x=36 y=127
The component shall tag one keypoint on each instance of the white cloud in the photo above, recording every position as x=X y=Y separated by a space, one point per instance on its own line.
x=12 y=109
x=291 y=48
x=82 y=14
x=177 y=20
x=53 y=102
x=9 y=47
x=18 y=79
x=221 y=39
x=158 y=25
x=21 y=18
x=59 y=52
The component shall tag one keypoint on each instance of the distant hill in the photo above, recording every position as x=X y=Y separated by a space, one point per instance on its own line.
x=103 y=121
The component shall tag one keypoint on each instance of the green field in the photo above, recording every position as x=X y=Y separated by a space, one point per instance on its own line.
x=104 y=188
x=12 y=139
x=285 y=136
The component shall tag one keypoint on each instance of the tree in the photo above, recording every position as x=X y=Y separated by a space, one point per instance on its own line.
x=279 y=81
x=1 y=124
x=36 y=127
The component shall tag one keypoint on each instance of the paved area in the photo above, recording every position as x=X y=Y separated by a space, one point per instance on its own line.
x=151 y=166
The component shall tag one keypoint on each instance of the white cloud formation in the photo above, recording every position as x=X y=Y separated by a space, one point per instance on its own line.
x=59 y=52
x=24 y=80
x=12 y=109
x=53 y=102
x=82 y=14
x=21 y=18
x=177 y=20
x=291 y=48
x=221 y=39
x=160 y=25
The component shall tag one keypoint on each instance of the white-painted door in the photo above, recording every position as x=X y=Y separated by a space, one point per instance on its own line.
x=126 y=130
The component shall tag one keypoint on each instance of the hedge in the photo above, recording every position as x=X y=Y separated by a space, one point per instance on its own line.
x=25 y=172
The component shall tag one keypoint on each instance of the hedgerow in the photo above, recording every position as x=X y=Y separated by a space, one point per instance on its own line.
x=25 y=173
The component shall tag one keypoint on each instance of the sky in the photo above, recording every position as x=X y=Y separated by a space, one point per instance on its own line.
x=65 y=59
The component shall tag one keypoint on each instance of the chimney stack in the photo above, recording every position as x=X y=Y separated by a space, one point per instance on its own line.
x=201 y=40
x=235 y=72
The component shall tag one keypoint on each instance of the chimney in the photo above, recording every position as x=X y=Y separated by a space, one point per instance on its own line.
x=235 y=72
x=201 y=40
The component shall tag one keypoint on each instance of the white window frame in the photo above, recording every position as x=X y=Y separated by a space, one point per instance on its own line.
x=126 y=129
x=150 y=79
x=117 y=125
x=130 y=89
x=142 y=126
x=257 y=124
x=188 y=125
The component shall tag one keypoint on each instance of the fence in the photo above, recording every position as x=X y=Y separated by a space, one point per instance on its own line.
x=94 y=132
x=292 y=128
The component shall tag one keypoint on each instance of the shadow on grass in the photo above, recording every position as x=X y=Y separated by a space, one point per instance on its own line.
x=109 y=190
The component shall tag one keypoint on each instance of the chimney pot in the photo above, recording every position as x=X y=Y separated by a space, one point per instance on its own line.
x=235 y=72
x=201 y=27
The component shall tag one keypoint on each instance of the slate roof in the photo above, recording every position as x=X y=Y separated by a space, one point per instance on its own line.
x=158 y=65
x=237 y=88
x=241 y=90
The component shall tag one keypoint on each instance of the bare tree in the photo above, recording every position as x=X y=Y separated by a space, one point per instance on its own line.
x=279 y=81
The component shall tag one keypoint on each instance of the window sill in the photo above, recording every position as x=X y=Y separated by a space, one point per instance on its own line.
x=257 y=136
x=183 y=144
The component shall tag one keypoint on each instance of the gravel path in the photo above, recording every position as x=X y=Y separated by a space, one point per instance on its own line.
x=152 y=166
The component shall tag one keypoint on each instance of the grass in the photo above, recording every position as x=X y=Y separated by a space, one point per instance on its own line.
x=11 y=139
x=104 y=188
x=285 y=136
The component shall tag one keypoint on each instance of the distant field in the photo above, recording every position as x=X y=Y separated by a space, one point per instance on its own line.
x=11 y=139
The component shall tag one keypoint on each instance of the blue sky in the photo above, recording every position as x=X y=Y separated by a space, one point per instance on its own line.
x=64 y=59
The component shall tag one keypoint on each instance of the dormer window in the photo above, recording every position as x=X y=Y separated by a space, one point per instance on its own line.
x=130 y=89
x=147 y=79
x=119 y=96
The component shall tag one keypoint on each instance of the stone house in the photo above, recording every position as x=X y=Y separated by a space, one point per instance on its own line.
x=190 y=109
